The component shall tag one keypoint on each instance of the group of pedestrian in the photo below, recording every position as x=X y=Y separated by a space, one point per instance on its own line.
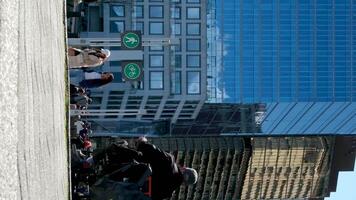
x=79 y=97
x=166 y=175
x=84 y=74
x=82 y=63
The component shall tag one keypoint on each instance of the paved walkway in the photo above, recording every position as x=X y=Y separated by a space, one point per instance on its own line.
x=33 y=145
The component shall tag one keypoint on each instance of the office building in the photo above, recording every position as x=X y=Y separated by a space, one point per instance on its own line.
x=288 y=168
x=173 y=85
x=298 y=57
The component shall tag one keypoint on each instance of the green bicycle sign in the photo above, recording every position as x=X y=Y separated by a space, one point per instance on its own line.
x=131 y=40
x=132 y=71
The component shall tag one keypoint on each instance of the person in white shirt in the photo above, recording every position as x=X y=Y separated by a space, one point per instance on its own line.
x=87 y=58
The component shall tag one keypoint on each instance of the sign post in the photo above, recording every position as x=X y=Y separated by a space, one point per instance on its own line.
x=132 y=70
x=131 y=40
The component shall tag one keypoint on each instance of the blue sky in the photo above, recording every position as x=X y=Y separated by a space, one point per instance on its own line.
x=346 y=186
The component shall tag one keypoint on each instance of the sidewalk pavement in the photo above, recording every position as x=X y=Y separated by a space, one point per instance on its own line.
x=33 y=145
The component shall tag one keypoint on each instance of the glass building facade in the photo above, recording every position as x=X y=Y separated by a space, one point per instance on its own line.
x=295 y=56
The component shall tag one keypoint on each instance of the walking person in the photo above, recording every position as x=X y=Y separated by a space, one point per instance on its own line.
x=96 y=79
x=167 y=175
x=90 y=79
x=87 y=58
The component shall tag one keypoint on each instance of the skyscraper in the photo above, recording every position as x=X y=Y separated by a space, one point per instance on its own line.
x=296 y=56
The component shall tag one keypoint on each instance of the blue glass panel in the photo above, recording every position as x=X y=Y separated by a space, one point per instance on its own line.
x=285 y=51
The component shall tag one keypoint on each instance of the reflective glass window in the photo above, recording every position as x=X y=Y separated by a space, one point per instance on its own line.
x=117 y=11
x=117 y=26
x=138 y=26
x=156 y=60
x=176 y=29
x=193 y=29
x=176 y=61
x=156 y=11
x=118 y=77
x=193 y=13
x=193 y=60
x=176 y=82
x=114 y=63
x=156 y=80
x=137 y=12
x=193 y=44
x=175 y=13
x=176 y=47
x=193 y=82
x=156 y=28
x=156 y=48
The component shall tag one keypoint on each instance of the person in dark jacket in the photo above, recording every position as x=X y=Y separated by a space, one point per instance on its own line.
x=95 y=79
x=167 y=176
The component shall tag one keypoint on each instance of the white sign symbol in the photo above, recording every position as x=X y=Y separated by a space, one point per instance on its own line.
x=131 y=40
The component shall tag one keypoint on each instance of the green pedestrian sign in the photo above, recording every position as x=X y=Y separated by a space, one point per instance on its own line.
x=132 y=70
x=131 y=40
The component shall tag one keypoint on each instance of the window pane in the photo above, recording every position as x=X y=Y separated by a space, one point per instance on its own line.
x=117 y=11
x=193 y=13
x=156 y=80
x=176 y=29
x=193 y=1
x=138 y=26
x=156 y=48
x=137 y=12
x=176 y=80
x=193 y=45
x=156 y=60
x=176 y=61
x=115 y=63
x=193 y=61
x=193 y=29
x=156 y=11
x=175 y=13
x=117 y=26
x=118 y=77
x=156 y=28
x=176 y=47
x=193 y=82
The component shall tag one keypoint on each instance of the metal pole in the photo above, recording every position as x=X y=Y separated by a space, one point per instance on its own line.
x=107 y=112
x=117 y=41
